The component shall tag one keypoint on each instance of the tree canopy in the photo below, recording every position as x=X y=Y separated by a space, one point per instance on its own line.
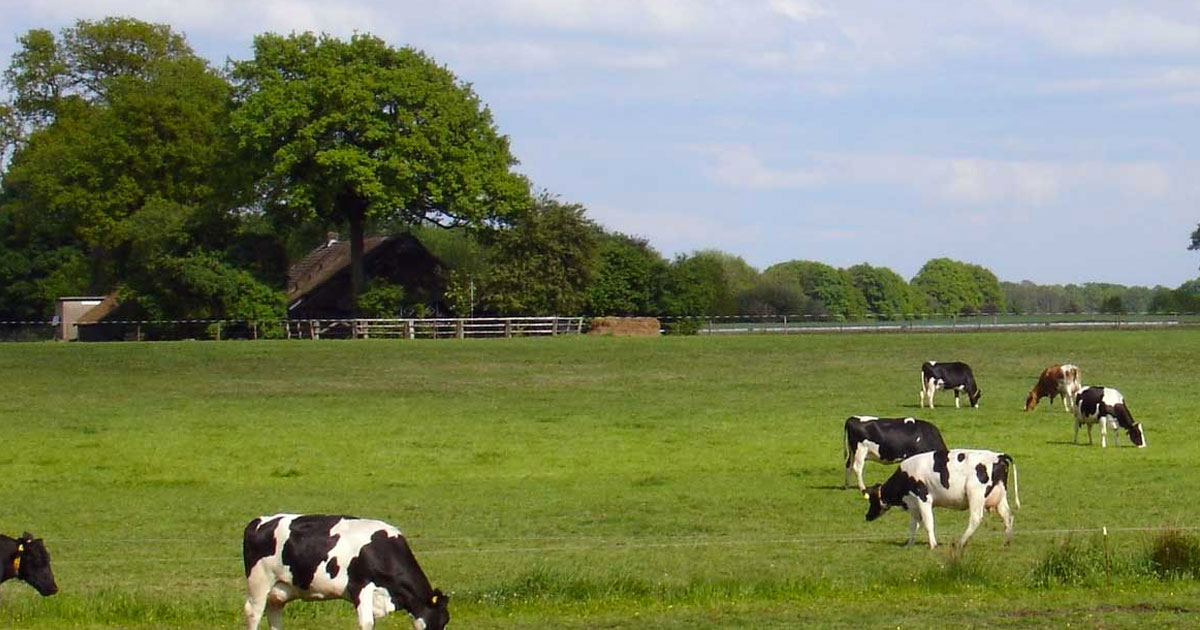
x=114 y=121
x=346 y=131
x=827 y=286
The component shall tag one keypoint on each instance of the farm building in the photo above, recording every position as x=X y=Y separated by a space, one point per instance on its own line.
x=318 y=287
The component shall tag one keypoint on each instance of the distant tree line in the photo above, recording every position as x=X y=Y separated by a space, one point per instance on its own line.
x=130 y=166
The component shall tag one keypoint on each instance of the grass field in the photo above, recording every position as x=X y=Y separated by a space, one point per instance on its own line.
x=592 y=483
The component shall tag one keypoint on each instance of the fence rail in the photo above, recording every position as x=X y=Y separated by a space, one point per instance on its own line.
x=500 y=327
x=363 y=328
x=433 y=328
x=922 y=322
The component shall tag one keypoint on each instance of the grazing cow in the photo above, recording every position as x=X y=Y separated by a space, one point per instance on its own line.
x=26 y=558
x=954 y=376
x=317 y=556
x=887 y=440
x=1056 y=380
x=960 y=479
x=1106 y=406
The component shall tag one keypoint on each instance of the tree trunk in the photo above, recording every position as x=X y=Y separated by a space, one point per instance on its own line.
x=357 y=215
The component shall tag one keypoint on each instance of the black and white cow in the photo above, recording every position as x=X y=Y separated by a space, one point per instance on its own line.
x=961 y=479
x=887 y=440
x=1106 y=406
x=317 y=556
x=26 y=559
x=949 y=376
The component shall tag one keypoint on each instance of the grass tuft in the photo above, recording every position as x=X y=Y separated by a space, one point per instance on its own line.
x=1174 y=554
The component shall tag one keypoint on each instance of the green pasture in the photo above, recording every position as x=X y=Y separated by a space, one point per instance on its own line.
x=676 y=482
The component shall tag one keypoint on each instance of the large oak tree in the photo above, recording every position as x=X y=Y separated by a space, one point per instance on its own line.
x=345 y=132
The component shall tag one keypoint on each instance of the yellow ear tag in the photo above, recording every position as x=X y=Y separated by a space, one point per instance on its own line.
x=17 y=560
x=434 y=600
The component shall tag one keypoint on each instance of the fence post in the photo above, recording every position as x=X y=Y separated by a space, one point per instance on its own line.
x=507 y=328
x=458 y=328
x=554 y=326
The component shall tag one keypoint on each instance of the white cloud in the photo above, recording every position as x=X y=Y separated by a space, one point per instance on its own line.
x=1096 y=29
x=969 y=181
x=680 y=231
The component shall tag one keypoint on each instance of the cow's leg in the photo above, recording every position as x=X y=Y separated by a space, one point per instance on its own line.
x=1005 y=513
x=975 y=500
x=1103 y=433
x=860 y=460
x=258 y=586
x=1090 y=434
x=275 y=615
x=956 y=399
x=254 y=612
x=1075 y=440
x=926 y=509
x=914 y=522
x=366 y=607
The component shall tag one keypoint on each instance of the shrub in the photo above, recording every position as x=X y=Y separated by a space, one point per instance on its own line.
x=381 y=299
x=1174 y=554
x=684 y=326
x=1070 y=564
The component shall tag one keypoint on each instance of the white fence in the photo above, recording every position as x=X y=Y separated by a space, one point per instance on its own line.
x=434 y=328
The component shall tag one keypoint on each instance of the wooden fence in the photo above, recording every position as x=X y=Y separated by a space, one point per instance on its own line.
x=434 y=328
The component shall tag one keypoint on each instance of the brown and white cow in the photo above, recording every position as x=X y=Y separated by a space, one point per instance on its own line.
x=1056 y=380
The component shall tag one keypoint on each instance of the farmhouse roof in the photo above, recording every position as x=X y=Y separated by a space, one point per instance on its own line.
x=323 y=263
x=319 y=285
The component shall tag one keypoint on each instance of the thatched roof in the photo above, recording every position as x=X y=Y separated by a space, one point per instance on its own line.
x=319 y=285
x=323 y=263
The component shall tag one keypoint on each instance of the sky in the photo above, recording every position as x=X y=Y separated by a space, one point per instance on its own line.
x=1057 y=142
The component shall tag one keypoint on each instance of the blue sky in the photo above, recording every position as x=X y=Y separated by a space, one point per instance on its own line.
x=1048 y=141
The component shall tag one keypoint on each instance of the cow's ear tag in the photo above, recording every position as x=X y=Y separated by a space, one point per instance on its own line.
x=434 y=600
x=866 y=497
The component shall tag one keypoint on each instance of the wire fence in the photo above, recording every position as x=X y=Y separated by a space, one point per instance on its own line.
x=508 y=327
x=921 y=322
x=601 y=544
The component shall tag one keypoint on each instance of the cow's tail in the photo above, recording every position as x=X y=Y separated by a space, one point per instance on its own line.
x=1016 y=489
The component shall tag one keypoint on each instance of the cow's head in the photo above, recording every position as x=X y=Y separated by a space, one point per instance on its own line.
x=1031 y=400
x=32 y=564
x=874 y=496
x=1137 y=436
x=436 y=615
x=975 y=397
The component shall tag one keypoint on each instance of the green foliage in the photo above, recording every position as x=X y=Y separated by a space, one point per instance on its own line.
x=829 y=290
x=684 y=326
x=956 y=287
x=885 y=291
x=202 y=285
x=1113 y=304
x=628 y=277
x=542 y=264
x=771 y=297
x=120 y=116
x=346 y=131
x=382 y=299
x=706 y=282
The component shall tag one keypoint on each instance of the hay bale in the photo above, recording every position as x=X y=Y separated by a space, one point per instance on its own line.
x=625 y=326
